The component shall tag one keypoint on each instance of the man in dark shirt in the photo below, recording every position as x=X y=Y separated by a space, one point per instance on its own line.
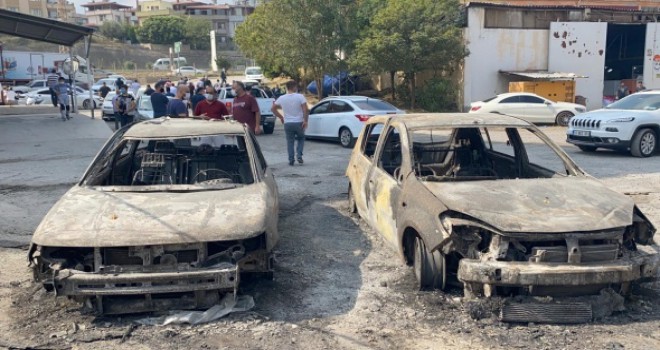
x=103 y=91
x=197 y=98
x=245 y=108
x=159 y=101
x=148 y=91
x=210 y=108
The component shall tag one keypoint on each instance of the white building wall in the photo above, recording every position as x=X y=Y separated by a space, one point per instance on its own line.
x=652 y=56
x=492 y=50
x=579 y=47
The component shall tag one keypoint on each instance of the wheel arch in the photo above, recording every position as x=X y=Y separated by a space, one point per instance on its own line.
x=652 y=126
x=408 y=244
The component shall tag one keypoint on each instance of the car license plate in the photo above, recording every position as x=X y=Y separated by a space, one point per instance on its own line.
x=581 y=133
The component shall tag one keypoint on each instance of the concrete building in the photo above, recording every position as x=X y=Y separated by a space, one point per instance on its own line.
x=62 y=10
x=605 y=42
x=98 y=12
x=153 y=8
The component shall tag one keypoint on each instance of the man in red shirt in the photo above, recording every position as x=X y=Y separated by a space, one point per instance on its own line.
x=245 y=108
x=210 y=108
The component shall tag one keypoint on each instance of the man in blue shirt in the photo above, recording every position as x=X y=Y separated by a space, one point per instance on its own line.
x=197 y=97
x=62 y=93
x=159 y=101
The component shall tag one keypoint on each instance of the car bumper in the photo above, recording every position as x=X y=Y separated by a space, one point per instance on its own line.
x=268 y=120
x=642 y=264
x=78 y=283
x=609 y=141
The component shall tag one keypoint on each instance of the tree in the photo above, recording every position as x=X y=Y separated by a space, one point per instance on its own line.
x=112 y=30
x=162 y=30
x=413 y=36
x=301 y=37
x=223 y=62
x=196 y=33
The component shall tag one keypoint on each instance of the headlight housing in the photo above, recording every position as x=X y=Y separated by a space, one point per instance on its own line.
x=621 y=120
x=445 y=221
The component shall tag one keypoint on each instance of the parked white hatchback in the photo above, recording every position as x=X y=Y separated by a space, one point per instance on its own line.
x=342 y=118
x=530 y=107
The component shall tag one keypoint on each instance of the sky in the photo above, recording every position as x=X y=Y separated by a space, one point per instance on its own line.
x=127 y=2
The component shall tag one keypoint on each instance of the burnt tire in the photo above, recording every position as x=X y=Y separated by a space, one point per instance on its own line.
x=588 y=148
x=430 y=270
x=346 y=138
x=564 y=118
x=352 y=205
x=644 y=143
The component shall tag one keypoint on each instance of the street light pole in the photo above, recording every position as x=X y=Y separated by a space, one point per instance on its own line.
x=2 y=60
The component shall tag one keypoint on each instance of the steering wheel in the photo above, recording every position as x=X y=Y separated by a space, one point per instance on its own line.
x=223 y=174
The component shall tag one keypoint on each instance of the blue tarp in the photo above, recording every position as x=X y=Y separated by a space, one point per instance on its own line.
x=340 y=82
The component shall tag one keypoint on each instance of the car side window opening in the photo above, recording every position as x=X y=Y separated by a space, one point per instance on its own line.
x=339 y=107
x=531 y=99
x=321 y=108
x=213 y=160
x=391 y=155
x=370 y=139
x=512 y=99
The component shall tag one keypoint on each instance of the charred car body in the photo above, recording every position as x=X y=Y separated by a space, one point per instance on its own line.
x=491 y=202
x=170 y=213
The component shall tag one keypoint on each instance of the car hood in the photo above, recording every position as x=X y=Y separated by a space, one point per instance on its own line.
x=570 y=204
x=88 y=217
x=607 y=114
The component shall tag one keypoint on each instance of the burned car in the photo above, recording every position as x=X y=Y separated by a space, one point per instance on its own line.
x=170 y=214
x=491 y=203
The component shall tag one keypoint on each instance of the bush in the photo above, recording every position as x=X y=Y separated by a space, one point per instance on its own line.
x=129 y=65
x=438 y=95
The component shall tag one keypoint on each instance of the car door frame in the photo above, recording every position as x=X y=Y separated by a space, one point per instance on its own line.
x=511 y=108
x=383 y=191
x=315 y=120
x=537 y=112
x=333 y=120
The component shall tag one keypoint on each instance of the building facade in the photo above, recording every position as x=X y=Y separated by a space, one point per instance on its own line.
x=62 y=10
x=603 y=43
x=98 y=12
x=153 y=8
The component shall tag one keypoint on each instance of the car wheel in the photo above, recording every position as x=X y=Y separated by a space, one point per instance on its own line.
x=643 y=143
x=588 y=148
x=564 y=118
x=430 y=270
x=268 y=129
x=352 y=206
x=346 y=137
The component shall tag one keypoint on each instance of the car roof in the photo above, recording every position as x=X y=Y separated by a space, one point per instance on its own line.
x=426 y=120
x=506 y=94
x=182 y=127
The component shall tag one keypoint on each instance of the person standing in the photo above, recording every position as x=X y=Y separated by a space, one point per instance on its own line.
x=177 y=107
x=125 y=106
x=210 y=108
x=51 y=81
x=223 y=76
x=149 y=90
x=622 y=92
x=135 y=86
x=245 y=108
x=62 y=93
x=114 y=107
x=295 y=116
x=159 y=101
x=197 y=98
x=103 y=91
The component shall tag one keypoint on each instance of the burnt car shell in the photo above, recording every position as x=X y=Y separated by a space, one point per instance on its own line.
x=178 y=240
x=515 y=229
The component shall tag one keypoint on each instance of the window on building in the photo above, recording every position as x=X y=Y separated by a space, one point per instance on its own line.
x=101 y=18
x=35 y=12
x=521 y=18
x=52 y=14
x=14 y=9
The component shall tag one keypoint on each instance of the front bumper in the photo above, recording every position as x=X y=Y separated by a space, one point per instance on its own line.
x=597 y=141
x=642 y=264
x=268 y=120
x=77 y=283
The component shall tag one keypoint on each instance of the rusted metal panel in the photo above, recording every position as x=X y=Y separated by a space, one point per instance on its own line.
x=180 y=127
x=579 y=47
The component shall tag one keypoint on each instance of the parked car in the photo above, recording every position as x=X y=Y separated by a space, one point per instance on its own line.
x=631 y=124
x=170 y=214
x=226 y=95
x=110 y=82
x=33 y=85
x=254 y=73
x=188 y=70
x=531 y=107
x=494 y=202
x=342 y=118
x=145 y=110
x=82 y=97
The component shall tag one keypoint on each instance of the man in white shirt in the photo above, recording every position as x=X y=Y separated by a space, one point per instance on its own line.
x=295 y=116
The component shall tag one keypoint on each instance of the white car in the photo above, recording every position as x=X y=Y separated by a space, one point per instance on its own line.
x=342 y=118
x=188 y=70
x=530 y=107
x=145 y=110
x=254 y=73
x=33 y=85
x=110 y=82
x=82 y=97
x=630 y=124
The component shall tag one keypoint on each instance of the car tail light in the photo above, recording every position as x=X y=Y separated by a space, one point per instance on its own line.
x=362 y=117
x=475 y=108
x=228 y=104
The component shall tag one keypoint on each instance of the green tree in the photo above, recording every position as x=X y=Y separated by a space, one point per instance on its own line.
x=162 y=30
x=413 y=36
x=306 y=36
x=112 y=30
x=196 y=33
x=223 y=62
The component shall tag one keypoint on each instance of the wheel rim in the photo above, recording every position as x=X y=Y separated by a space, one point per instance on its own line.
x=564 y=119
x=345 y=137
x=86 y=104
x=647 y=144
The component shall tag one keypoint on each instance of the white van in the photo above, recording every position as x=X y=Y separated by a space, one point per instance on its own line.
x=164 y=63
x=254 y=73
